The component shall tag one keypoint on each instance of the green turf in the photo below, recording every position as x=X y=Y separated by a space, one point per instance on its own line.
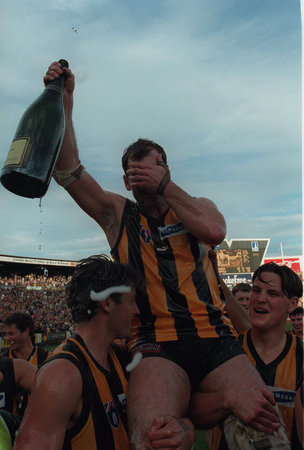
x=200 y=443
x=288 y=326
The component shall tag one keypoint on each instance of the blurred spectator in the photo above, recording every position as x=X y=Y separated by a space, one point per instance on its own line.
x=296 y=318
x=19 y=332
x=241 y=293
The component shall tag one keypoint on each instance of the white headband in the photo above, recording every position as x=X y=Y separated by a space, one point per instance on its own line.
x=135 y=361
x=102 y=295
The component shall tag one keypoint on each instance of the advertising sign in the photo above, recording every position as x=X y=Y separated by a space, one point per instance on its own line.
x=25 y=260
x=233 y=278
x=293 y=262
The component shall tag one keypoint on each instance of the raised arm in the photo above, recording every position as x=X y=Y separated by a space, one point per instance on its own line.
x=237 y=314
x=56 y=396
x=199 y=215
x=104 y=207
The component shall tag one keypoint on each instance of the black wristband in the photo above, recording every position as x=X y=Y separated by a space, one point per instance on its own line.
x=163 y=183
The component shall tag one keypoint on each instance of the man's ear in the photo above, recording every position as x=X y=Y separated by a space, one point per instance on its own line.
x=126 y=181
x=293 y=303
x=159 y=158
x=106 y=304
x=27 y=331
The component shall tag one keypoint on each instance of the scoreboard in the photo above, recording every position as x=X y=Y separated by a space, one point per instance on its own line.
x=238 y=258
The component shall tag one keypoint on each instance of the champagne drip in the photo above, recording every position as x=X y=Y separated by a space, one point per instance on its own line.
x=41 y=223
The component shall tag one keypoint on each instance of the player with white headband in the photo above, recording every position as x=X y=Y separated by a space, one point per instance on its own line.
x=85 y=381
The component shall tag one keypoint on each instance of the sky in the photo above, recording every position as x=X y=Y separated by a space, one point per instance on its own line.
x=217 y=83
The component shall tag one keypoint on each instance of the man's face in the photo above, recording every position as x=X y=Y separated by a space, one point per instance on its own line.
x=269 y=306
x=243 y=298
x=123 y=314
x=144 y=197
x=297 y=324
x=15 y=337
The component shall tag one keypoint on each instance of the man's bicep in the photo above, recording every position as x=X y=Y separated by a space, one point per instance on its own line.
x=56 y=394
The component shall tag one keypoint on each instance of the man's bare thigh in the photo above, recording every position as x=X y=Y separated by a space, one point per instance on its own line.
x=157 y=386
x=237 y=372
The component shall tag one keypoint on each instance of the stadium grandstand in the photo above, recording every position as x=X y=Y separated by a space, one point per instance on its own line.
x=36 y=286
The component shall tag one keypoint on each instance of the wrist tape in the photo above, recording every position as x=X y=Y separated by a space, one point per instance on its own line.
x=165 y=179
x=66 y=177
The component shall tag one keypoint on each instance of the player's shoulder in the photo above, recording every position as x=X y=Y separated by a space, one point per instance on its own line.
x=59 y=373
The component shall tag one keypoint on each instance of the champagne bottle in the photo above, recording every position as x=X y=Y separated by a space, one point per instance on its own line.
x=30 y=162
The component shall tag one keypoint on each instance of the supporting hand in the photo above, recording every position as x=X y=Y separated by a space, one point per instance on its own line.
x=169 y=432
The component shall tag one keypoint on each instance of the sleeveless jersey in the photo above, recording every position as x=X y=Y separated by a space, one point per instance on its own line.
x=283 y=377
x=102 y=424
x=182 y=297
x=7 y=385
x=37 y=357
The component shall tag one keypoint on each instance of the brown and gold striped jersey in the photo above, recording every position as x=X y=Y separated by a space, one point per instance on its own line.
x=182 y=297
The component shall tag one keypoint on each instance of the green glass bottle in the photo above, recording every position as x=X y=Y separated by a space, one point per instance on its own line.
x=30 y=162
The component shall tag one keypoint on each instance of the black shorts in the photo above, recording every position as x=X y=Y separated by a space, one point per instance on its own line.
x=198 y=356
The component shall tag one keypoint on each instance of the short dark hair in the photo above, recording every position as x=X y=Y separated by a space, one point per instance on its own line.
x=140 y=149
x=21 y=320
x=98 y=272
x=244 y=287
x=291 y=282
x=297 y=311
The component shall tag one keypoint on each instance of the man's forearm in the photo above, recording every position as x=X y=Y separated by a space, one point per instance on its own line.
x=68 y=157
x=200 y=216
x=237 y=314
x=207 y=409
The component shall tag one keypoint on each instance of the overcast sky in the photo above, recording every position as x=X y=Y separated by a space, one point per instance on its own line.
x=217 y=83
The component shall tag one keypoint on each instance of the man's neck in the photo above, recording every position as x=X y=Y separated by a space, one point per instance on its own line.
x=23 y=352
x=96 y=340
x=154 y=209
x=269 y=344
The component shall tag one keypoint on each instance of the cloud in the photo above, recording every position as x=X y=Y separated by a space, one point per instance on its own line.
x=218 y=84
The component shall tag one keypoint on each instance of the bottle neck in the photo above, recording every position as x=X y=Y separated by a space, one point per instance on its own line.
x=56 y=85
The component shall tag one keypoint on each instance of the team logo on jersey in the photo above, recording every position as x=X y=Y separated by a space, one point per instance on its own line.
x=2 y=399
x=172 y=230
x=145 y=234
x=112 y=413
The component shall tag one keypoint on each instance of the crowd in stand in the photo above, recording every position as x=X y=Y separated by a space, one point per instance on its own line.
x=44 y=298
x=41 y=296
x=35 y=280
